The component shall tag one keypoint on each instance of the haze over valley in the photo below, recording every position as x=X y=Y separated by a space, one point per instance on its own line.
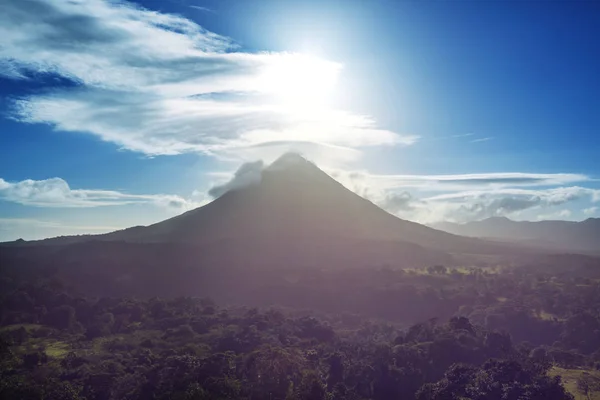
x=299 y=200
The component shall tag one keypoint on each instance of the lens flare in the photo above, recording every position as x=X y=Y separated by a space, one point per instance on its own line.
x=301 y=82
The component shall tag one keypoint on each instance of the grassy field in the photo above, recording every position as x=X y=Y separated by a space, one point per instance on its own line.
x=57 y=349
x=58 y=346
x=53 y=347
x=28 y=327
x=569 y=378
x=546 y=316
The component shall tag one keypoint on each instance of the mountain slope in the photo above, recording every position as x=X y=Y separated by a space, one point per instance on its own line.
x=564 y=235
x=258 y=240
x=297 y=201
x=297 y=214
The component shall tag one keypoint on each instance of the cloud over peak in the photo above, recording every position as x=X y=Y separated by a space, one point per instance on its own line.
x=247 y=174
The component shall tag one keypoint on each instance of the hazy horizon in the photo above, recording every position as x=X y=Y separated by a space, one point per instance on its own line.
x=299 y=199
x=117 y=114
x=251 y=173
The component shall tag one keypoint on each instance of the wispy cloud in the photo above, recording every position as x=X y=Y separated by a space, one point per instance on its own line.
x=171 y=126
x=558 y=195
x=200 y=8
x=55 y=192
x=561 y=214
x=463 y=137
x=590 y=211
x=160 y=84
x=468 y=197
x=476 y=205
x=457 y=182
x=484 y=139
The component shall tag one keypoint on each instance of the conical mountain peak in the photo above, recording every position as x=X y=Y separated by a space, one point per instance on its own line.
x=292 y=172
x=291 y=160
x=292 y=210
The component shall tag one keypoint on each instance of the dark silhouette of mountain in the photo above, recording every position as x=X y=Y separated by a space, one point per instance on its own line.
x=294 y=199
x=262 y=242
x=297 y=210
x=581 y=236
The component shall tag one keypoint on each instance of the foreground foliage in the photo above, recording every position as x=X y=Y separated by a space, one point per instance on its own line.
x=189 y=348
x=379 y=333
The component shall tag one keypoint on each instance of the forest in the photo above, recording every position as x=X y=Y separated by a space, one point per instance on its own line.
x=299 y=200
x=429 y=334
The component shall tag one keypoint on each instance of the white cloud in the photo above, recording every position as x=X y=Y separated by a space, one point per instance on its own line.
x=558 y=215
x=467 y=197
x=590 y=211
x=247 y=174
x=55 y=192
x=476 y=205
x=178 y=125
x=206 y=9
x=362 y=180
x=565 y=213
x=109 y=44
x=553 y=196
x=160 y=84
x=484 y=139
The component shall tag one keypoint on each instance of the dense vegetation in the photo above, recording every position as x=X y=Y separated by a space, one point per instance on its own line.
x=439 y=333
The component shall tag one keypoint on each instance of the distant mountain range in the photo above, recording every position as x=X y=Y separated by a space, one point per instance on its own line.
x=581 y=236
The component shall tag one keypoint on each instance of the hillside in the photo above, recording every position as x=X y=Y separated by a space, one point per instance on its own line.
x=581 y=236
x=295 y=205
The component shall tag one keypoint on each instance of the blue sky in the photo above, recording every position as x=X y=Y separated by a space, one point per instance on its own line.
x=116 y=113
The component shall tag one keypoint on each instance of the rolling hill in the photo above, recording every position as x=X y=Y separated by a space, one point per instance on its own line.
x=572 y=236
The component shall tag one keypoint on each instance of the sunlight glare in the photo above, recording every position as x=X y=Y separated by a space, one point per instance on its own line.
x=301 y=82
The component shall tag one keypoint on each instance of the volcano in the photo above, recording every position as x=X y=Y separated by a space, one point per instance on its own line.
x=294 y=213
x=294 y=201
x=290 y=220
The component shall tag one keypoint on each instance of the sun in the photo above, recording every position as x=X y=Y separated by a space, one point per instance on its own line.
x=301 y=82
